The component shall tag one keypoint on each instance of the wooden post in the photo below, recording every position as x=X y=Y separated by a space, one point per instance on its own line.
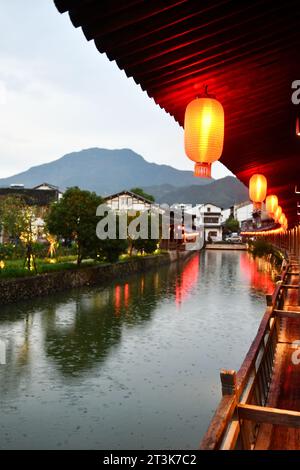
x=269 y=299
x=228 y=380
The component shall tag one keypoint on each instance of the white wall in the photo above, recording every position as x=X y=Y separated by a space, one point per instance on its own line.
x=126 y=202
x=243 y=213
x=202 y=211
x=225 y=214
x=215 y=238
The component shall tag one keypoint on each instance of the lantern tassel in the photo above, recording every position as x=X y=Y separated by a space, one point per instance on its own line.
x=202 y=170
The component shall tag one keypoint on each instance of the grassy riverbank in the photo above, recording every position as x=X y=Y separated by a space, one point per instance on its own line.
x=16 y=288
x=16 y=269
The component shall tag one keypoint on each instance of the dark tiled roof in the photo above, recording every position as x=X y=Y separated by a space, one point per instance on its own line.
x=51 y=186
x=129 y=193
x=34 y=197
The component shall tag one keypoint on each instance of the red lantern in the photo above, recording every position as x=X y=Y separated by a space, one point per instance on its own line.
x=204 y=133
x=257 y=189
x=277 y=214
x=271 y=204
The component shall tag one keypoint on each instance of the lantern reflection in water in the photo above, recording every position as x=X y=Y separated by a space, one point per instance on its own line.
x=117 y=299
x=187 y=280
x=142 y=285
x=257 y=271
x=126 y=294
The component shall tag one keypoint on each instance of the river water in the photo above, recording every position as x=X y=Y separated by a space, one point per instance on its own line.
x=133 y=365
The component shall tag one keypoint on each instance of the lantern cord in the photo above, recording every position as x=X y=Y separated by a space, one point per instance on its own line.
x=205 y=93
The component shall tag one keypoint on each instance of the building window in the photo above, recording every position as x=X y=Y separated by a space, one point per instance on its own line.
x=208 y=209
x=211 y=220
x=212 y=234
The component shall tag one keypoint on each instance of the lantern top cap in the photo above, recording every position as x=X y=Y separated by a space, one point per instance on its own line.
x=258 y=175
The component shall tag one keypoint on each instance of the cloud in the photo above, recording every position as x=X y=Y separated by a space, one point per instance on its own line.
x=3 y=93
x=58 y=95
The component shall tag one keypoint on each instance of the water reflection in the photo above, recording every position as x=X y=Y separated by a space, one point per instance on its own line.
x=187 y=279
x=260 y=272
x=132 y=365
x=93 y=323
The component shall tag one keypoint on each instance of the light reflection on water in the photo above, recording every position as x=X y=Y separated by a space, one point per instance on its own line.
x=133 y=365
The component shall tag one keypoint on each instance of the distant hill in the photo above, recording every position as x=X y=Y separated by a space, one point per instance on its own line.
x=224 y=193
x=105 y=172
x=109 y=171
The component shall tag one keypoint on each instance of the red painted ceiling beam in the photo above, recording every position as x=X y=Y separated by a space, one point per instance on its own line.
x=248 y=54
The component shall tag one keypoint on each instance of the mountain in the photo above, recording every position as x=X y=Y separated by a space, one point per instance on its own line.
x=160 y=191
x=224 y=193
x=109 y=171
x=104 y=171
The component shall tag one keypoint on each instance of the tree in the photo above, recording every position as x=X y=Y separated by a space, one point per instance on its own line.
x=141 y=192
x=12 y=221
x=74 y=217
x=147 y=245
x=17 y=220
x=232 y=224
x=111 y=249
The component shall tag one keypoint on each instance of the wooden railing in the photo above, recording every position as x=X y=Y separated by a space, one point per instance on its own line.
x=288 y=240
x=236 y=421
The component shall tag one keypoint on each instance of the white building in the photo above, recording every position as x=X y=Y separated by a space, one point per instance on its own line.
x=126 y=201
x=208 y=216
x=241 y=212
x=49 y=187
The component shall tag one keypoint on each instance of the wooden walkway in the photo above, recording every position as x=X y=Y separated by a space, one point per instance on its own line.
x=260 y=408
x=284 y=392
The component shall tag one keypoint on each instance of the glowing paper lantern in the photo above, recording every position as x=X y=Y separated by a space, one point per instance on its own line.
x=281 y=219
x=298 y=126
x=284 y=222
x=257 y=189
x=277 y=214
x=204 y=133
x=271 y=204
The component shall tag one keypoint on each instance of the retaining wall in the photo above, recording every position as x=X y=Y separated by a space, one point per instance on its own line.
x=13 y=290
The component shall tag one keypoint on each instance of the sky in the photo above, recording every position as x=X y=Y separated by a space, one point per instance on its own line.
x=58 y=94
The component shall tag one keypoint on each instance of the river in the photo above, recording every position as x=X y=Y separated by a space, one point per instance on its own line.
x=134 y=365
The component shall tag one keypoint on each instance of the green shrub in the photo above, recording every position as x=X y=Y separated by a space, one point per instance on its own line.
x=111 y=250
x=66 y=250
x=9 y=251
x=66 y=258
x=40 y=250
x=45 y=268
x=261 y=248
x=13 y=272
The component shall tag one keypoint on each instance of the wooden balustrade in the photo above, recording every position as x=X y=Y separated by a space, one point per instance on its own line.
x=242 y=409
x=231 y=426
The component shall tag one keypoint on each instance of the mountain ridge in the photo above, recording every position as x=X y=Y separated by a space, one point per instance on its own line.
x=224 y=192
x=102 y=170
x=107 y=171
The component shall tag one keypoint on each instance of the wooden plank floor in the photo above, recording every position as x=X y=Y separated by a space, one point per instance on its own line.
x=285 y=386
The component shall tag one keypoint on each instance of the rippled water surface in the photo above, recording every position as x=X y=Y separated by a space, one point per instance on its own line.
x=133 y=365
